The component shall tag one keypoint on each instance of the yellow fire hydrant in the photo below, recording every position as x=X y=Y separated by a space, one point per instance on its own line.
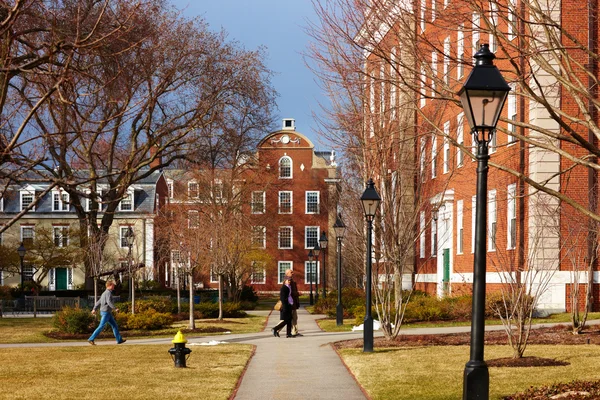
x=179 y=353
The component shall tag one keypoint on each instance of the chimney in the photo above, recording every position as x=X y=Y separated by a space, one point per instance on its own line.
x=156 y=161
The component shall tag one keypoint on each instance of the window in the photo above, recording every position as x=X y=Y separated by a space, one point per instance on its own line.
x=433 y=156
x=28 y=273
x=193 y=190
x=285 y=202
x=473 y=218
x=475 y=36
x=422 y=234
x=283 y=266
x=423 y=91
x=312 y=202
x=493 y=146
x=512 y=113
x=214 y=276
x=511 y=216
x=446 y=60
x=446 y=2
x=433 y=237
x=460 y=51
x=434 y=72
x=433 y=10
x=492 y=220
x=311 y=235
x=371 y=104
x=27 y=199
x=285 y=168
x=259 y=237
x=459 y=227
x=494 y=24
x=123 y=235
x=393 y=92
x=460 y=139
x=170 y=188
x=258 y=276
x=60 y=235
x=422 y=159
x=382 y=92
x=512 y=29
x=60 y=201
x=285 y=237
x=27 y=233
x=126 y=203
x=446 y=165
x=423 y=5
x=258 y=202
x=193 y=219
x=218 y=191
x=311 y=272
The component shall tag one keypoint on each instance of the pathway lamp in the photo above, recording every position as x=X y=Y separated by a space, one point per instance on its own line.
x=323 y=244
x=482 y=97
x=316 y=252
x=311 y=273
x=339 y=229
x=370 y=201
x=21 y=250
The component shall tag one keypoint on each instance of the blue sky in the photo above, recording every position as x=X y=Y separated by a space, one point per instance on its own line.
x=279 y=26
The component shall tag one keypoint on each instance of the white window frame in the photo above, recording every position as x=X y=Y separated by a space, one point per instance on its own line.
x=62 y=198
x=60 y=233
x=476 y=24
x=393 y=91
x=253 y=202
x=128 y=199
x=291 y=198
x=122 y=230
x=423 y=90
x=511 y=34
x=422 y=158
x=256 y=265
x=279 y=232
x=311 y=192
x=434 y=71
x=27 y=227
x=422 y=240
x=446 y=67
x=512 y=113
x=422 y=10
x=460 y=139
x=473 y=219
x=28 y=193
x=460 y=231
x=193 y=193
x=511 y=216
x=193 y=218
x=434 y=238
x=262 y=230
x=371 y=104
x=446 y=164
x=433 y=10
x=306 y=229
x=494 y=24
x=307 y=274
x=281 y=272
x=433 y=157
x=492 y=220
x=213 y=275
x=281 y=160
x=460 y=52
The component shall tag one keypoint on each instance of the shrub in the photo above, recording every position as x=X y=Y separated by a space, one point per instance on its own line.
x=74 y=320
x=233 y=310
x=5 y=292
x=211 y=310
x=351 y=297
x=248 y=294
x=149 y=320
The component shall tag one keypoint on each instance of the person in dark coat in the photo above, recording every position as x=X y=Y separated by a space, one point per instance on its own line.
x=296 y=296
x=285 y=313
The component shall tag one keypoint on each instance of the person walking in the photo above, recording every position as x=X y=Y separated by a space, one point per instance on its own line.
x=285 y=313
x=296 y=296
x=106 y=308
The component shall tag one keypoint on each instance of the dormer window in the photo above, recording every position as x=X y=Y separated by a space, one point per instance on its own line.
x=193 y=191
x=285 y=168
x=126 y=203
x=60 y=200
x=27 y=197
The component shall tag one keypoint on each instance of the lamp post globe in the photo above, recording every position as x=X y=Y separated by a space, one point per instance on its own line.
x=311 y=274
x=316 y=252
x=482 y=97
x=339 y=228
x=323 y=244
x=370 y=201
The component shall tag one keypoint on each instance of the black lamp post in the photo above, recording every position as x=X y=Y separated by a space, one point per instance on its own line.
x=22 y=250
x=339 y=229
x=482 y=97
x=129 y=236
x=316 y=252
x=323 y=244
x=370 y=201
x=311 y=274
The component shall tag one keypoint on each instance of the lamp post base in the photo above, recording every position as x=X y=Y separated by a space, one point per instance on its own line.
x=368 y=335
x=476 y=381
x=339 y=313
x=311 y=300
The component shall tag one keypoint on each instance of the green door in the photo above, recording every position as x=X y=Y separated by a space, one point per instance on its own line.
x=60 y=274
x=446 y=278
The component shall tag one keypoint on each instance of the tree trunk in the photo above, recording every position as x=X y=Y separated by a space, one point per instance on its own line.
x=192 y=318
x=220 y=297
x=178 y=292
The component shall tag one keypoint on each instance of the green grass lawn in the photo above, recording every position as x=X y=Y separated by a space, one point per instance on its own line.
x=436 y=373
x=329 y=324
x=121 y=372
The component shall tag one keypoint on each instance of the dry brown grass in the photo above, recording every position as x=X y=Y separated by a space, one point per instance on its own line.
x=120 y=372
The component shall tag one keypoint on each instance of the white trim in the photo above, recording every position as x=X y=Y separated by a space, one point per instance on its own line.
x=318 y=201
x=291 y=194
x=63 y=200
x=492 y=223
x=262 y=194
x=286 y=157
x=318 y=276
x=288 y=264
x=26 y=192
x=264 y=273
x=127 y=198
x=291 y=228
x=306 y=228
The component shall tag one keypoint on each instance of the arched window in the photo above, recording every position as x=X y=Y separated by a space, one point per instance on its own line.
x=285 y=167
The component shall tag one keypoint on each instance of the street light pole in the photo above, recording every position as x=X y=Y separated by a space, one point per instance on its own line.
x=316 y=252
x=482 y=96
x=22 y=250
x=323 y=244
x=370 y=201
x=311 y=274
x=339 y=229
